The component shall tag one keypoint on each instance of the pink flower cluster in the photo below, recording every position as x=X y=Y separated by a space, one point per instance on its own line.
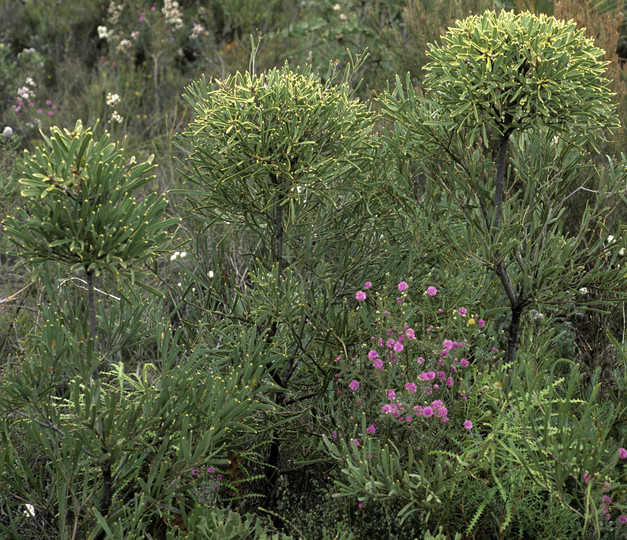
x=407 y=414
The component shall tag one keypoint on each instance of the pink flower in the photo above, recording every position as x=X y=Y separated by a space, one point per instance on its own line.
x=411 y=387
x=441 y=375
x=462 y=311
x=361 y=295
x=449 y=381
x=481 y=322
x=442 y=412
x=586 y=477
x=195 y=472
x=386 y=409
x=430 y=375
x=432 y=291
x=377 y=363
x=468 y=424
x=399 y=300
x=48 y=102
x=427 y=412
x=402 y=286
x=367 y=285
x=410 y=334
x=398 y=347
x=371 y=429
x=355 y=442
x=391 y=394
x=464 y=362
x=420 y=360
x=622 y=453
x=622 y=519
x=372 y=355
x=210 y=470
x=354 y=385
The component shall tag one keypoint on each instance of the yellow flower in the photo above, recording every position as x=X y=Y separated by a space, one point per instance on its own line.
x=470 y=322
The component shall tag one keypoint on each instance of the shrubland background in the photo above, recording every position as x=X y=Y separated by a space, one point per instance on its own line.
x=236 y=394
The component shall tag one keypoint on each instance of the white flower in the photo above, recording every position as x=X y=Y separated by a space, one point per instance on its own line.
x=112 y=99
x=622 y=252
x=104 y=32
x=29 y=510
x=337 y=7
x=583 y=290
x=343 y=17
x=211 y=274
x=115 y=117
x=123 y=46
x=174 y=256
x=7 y=133
x=30 y=82
x=183 y=254
x=197 y=31
x=610 y=239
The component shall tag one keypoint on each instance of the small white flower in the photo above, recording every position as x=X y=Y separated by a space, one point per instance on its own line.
x=174 y=255
x=610 y=239
x=211 y=274
x=179 y=284
x=115 y=117
x=103 y=32
x=7 y=133
x=343 y=17
x=112 y=99
x=622 y=252
x=337 y=7
x=124 y=46
x=29 y=510
x=583 y=290
x=183 y=254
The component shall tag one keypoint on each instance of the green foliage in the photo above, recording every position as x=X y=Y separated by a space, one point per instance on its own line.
x=280 y=140
x=220 y=523
x=296 y=195
x=80 y=208
x=135 y=438
x=512 y=72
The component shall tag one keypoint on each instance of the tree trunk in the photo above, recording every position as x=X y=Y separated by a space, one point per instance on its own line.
x=91 y=307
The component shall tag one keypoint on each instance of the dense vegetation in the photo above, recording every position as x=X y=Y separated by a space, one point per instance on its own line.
x=258 y=282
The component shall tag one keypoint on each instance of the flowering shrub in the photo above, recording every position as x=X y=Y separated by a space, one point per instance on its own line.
x=425 y=416
x=414 y=374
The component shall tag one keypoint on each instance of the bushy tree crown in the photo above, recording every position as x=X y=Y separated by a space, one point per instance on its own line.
x=511 y=71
